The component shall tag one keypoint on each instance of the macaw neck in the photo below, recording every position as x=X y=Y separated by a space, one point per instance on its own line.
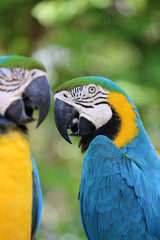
x=110 y=130
x=7 y=125
x=141 y=147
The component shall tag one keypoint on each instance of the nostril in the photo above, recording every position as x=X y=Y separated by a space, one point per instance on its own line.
x=64 y=95
x=33 y=74
x=74 y=125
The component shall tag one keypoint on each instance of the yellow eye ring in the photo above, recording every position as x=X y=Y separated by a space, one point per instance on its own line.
x=92 y=89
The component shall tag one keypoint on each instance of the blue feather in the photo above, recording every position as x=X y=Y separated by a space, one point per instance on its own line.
x=119 y=197
x=37 y=201
x=120 y=187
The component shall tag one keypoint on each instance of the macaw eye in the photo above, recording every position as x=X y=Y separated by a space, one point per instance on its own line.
x=92 y=89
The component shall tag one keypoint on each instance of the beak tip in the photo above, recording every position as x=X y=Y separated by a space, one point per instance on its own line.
x=37 y=125
x=70 y=141
x=40 y=120
x=64 y=134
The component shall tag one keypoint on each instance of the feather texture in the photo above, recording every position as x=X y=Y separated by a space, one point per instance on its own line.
x=37 y=201
x=20 y=195
x=120 y=184
x=118 y=199
x=15 y=187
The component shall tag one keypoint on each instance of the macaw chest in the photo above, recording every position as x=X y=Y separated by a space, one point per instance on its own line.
x=15 y=187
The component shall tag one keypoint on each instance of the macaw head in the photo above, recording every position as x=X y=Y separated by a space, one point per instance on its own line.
x=91 y=106
x=23 y=88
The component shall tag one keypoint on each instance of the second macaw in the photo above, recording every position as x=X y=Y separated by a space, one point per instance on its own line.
x=120 y=183
x=23 y=88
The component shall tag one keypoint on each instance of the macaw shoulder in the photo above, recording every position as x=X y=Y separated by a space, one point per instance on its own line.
x=105 y=155
x=117 y=189
x=16 y=186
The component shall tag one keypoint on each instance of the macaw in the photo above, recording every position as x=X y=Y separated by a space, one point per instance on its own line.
x=23 y=88
x=120 y=180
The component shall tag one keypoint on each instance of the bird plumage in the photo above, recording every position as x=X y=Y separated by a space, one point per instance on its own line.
x=15 y=61
x=120 y=182
x=119 y=199
x=15 y=186
x=37 y=200
x=21 y=93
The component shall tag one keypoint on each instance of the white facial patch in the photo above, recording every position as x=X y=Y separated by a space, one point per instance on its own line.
x=99 y=115
x=13 y=82
x=90 y=101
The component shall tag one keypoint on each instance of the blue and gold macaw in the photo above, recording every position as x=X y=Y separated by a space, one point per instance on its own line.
x=120 y=182
x=23 y=88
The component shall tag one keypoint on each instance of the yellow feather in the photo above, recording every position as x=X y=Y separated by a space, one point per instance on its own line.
x=158 y=153
x=124 y=109
x=15 y=187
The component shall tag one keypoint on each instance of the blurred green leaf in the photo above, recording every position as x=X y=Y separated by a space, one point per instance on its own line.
x=117 y=39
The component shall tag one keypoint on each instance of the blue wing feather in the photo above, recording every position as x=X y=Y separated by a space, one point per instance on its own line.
x=37 y=201
x=119 y=198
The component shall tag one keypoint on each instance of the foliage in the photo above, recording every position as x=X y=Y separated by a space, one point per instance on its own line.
x=117 y=39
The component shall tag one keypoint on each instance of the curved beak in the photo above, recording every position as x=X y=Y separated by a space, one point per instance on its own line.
x=36 y=96
x=63 y=115
x=67 y=117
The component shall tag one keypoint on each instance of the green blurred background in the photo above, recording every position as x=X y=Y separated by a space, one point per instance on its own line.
x=116 y=39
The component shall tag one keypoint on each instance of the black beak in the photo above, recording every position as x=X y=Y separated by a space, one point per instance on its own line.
x=36 y=96
x=67 y=117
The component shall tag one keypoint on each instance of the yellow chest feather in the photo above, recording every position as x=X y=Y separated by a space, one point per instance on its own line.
x=15 y=187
